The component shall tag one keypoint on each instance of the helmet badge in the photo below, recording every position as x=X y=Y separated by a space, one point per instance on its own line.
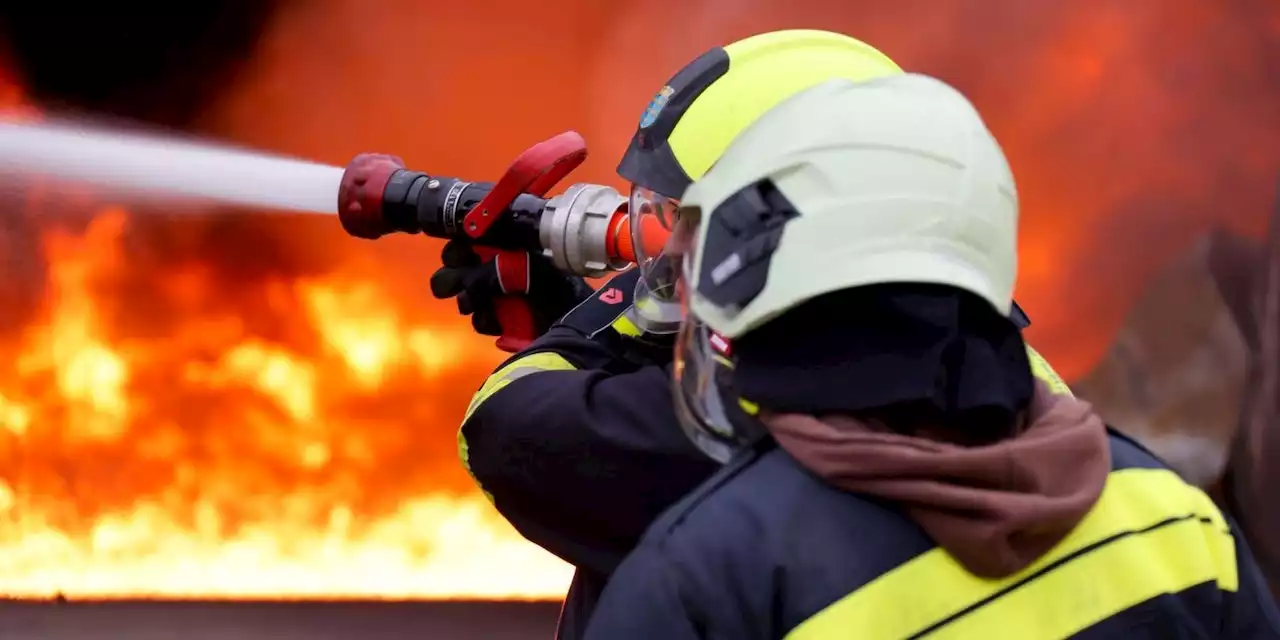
x=652 y=111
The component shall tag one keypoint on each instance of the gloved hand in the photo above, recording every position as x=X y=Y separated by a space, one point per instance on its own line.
x=474 y=282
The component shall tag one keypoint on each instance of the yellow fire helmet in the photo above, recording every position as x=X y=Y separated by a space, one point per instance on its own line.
x=694 y=117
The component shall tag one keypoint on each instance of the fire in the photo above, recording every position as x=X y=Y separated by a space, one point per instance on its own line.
x=219 y=524
x=207 y=458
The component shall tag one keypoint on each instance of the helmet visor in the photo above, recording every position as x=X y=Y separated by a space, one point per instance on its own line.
x=654 y=218
x=662 y=237
x=702 y=376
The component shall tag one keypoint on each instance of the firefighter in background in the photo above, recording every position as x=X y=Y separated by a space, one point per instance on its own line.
x=575 y=439
x=898 y=470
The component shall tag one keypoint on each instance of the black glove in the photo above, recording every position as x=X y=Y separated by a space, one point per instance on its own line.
x=551 y=292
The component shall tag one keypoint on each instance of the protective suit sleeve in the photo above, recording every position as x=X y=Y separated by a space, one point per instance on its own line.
x=1249 y=613
x=645 y=600
x=576 y=442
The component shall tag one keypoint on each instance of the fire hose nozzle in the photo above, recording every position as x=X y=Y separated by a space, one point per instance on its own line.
x=581 y=230
x=585 y=230
x=361 y=192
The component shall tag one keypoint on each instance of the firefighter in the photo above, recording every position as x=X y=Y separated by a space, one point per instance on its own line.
x=566 y=436
x=897 y=470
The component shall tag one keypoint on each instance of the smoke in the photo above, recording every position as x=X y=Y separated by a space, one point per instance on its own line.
x=138 y=77
x=104 y=59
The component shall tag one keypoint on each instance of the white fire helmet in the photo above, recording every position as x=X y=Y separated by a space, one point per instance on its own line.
x=847 y=184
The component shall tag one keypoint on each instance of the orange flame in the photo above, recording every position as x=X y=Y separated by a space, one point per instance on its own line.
x=86 y=436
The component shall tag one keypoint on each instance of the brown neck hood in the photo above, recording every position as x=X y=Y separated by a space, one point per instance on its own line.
x=995 y=508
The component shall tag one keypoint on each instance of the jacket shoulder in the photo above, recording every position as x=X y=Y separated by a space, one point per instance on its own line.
x=680 y=512
x=762 y=495
x=1128 y=453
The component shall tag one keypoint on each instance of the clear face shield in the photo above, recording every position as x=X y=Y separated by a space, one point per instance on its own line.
x=702 y=376
x=710 y=411
x=654 y=220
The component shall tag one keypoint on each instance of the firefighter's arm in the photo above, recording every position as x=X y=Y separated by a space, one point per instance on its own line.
x=575 y=439
x=645 y=599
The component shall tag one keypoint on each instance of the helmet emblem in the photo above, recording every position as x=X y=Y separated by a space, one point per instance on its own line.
x=652 y=111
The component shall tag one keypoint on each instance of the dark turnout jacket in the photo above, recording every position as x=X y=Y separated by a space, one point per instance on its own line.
x=835 y=529
x=575 y=440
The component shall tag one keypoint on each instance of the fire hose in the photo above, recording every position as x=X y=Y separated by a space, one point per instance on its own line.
x=584 y=230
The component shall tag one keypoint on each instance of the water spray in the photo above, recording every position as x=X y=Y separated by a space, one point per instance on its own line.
x=583 y=230
x=146 y=166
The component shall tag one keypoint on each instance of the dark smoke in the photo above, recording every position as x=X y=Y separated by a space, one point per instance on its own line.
x=159 y=62
x=157 y=67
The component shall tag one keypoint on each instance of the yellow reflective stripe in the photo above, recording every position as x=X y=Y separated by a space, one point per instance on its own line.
x=1149 y=534
x=1040 y=368
x=624 y=326
x=514 y=370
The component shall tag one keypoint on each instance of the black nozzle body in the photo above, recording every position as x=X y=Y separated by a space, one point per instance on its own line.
x=414 y=202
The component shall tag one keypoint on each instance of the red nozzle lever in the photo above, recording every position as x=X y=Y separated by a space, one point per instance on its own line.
x=536 y=171
x=360 y=194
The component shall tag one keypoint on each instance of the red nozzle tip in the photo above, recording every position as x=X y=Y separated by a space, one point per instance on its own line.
x=360 y=194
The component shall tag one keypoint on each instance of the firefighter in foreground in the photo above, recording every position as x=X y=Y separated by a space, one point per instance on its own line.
x=899 y=471
x=575 y=439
